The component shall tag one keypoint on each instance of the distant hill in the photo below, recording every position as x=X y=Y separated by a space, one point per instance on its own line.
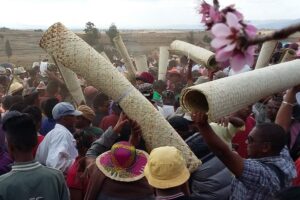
x=260 y=24
x=273 y=24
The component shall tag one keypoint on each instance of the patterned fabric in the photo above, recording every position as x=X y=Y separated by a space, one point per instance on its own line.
x=123 y=162
x=259 y=182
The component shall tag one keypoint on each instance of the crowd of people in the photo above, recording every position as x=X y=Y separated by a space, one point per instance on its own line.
x=51 y=148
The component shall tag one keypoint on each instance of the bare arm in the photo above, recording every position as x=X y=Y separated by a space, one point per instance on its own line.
x=284 y=114
x=231 y=160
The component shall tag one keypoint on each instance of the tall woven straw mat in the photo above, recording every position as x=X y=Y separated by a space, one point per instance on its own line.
x=265 y=54
x=287 y=55
x=227 y=95
x=141 y=63
x=199 y=55
x=72 y=83
x=163 y=62
x=118 y=41
x=70 y=50
x=104 y=55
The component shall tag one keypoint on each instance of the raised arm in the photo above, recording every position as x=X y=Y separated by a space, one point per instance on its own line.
x=284 y=114
x=231 y=160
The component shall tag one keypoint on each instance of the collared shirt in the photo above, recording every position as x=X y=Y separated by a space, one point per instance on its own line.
x=31 y=180
x=58 y=149
x=259 y=182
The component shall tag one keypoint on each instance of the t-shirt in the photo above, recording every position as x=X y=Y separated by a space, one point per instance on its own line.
x=40 y=139
x=31 y=180
x=47 y=125
x=74 y=179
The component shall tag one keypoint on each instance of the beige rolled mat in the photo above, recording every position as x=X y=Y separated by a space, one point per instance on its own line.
x=105 y=56
x=141 y=63
x=75 y=54
x=266 y=53
x=72 y=82
x=197 y=54
x=163 y=62
x=118 y=41
x=287 y=55
x=227 y=95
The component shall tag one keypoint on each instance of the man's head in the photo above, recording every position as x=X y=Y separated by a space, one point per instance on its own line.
x=20 y=133
x=273 y=106
x=48 y=105
x=65 y=114
x=181 y=125
x=265 y=140
x=36 y=115
x=86 y=118
x=101 y=103
x=159 y=86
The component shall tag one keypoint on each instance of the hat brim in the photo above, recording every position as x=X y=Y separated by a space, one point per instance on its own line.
x=76 y=113
x=164 y=184
x=134 y=173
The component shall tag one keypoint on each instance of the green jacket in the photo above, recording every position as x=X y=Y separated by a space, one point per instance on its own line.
x=31 y=180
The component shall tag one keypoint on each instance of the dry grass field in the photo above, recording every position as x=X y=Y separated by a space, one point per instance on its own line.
x=25 y=48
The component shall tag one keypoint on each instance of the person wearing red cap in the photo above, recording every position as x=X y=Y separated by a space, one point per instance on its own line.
x=144 y=77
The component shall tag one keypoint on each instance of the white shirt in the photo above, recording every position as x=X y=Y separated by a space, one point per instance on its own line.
x=58 y=149
x=168 y=111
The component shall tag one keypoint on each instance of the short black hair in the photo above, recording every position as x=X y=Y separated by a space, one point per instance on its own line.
x=99 y=100
x=9 y=100
x=35 y=113
x=21 y=132
x=273 y=133
x=290 y=193
x=18 y=107
x=48 y=105
x=31 y=98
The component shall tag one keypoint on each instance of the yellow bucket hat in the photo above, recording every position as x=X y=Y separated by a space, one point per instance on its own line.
x=166 y=168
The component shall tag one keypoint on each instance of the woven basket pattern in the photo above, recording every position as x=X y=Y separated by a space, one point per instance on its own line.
x=70 y=50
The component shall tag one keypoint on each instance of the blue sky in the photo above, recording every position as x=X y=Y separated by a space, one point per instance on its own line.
x=131 y=13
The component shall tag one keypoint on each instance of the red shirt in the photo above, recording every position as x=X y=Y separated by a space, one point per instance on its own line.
x=110 y=120
x=296 y=181
x=74 y=180
x=241 y=137
x=40 y=139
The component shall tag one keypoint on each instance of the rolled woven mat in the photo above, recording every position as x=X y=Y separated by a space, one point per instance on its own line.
x=265 y=54
x=141 y=63
x=227 y=95
x=118 y=41
x=105 y=56
x=197 y=54
x=287 y=55
x=163 y=62
x=70 y=50
x=72 y=83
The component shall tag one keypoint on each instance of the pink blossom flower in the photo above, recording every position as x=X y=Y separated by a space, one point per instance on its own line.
x=209 y=14
x=226 y=42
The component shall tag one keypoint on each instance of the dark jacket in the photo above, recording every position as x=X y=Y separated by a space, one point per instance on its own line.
x=212 y=179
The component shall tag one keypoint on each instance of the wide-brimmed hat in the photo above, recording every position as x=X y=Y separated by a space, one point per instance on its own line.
x=19 y=70
x=87 y=112
x=15 y=87
x=123 y=162
x=166 y=168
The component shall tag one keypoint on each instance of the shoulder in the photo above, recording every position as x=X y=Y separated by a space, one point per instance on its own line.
x=5 y=178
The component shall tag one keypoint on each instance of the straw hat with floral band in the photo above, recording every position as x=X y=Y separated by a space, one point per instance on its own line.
x=123 y=162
